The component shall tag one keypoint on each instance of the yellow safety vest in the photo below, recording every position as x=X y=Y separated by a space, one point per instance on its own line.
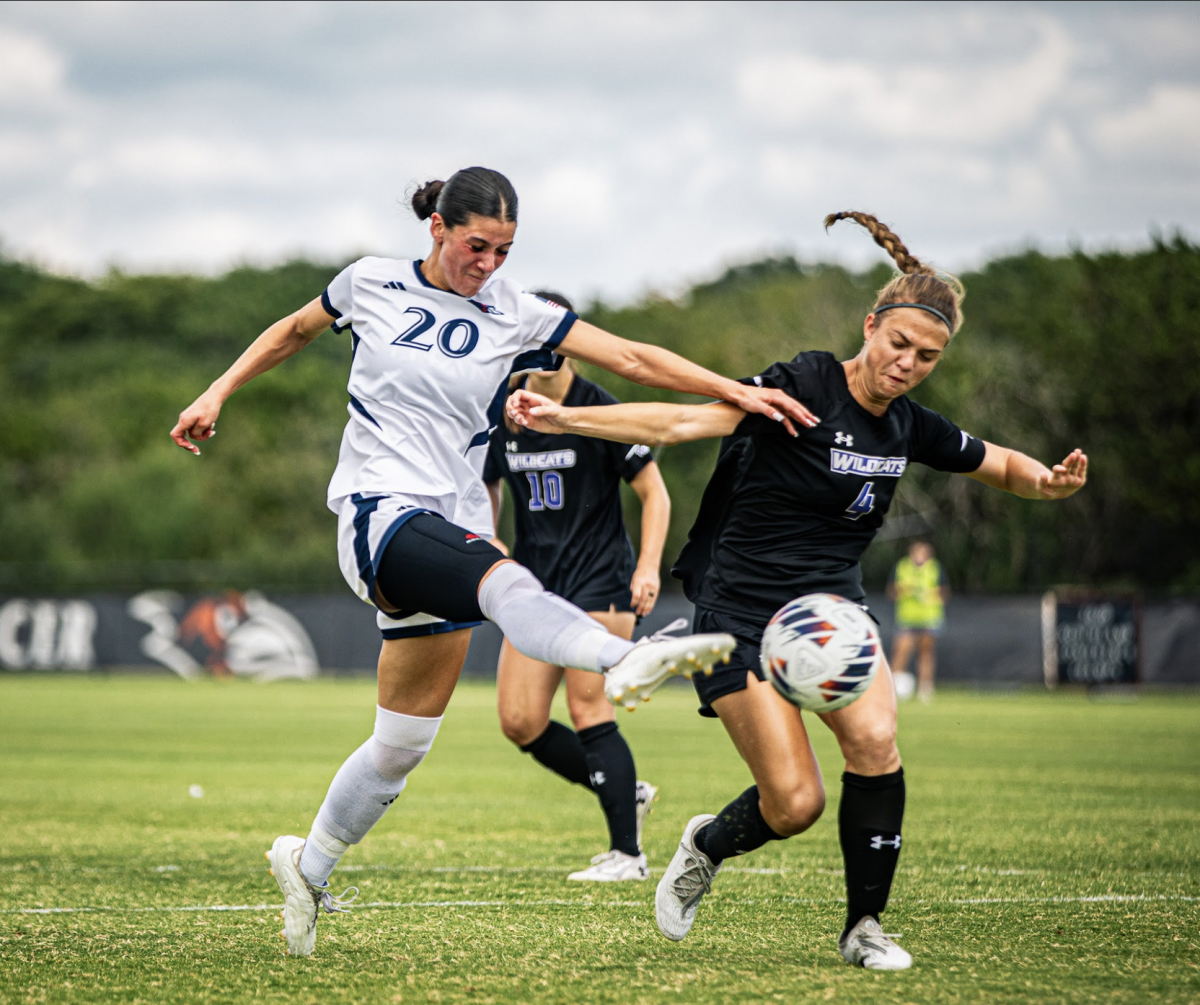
x=918 y=594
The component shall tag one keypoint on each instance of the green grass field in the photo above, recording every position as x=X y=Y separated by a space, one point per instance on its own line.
x=1051 y=855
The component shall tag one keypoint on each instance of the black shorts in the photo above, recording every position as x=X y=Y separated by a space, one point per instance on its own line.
x=730 y=677
x=432 y=566
x=727 y=677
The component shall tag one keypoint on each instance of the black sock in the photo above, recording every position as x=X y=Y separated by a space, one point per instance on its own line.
x=614 y=780
x=869 y=820
x=559 y=749
x=739 y=828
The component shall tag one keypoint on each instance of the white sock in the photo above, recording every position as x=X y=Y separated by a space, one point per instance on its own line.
x=544 y=626
x=364 y=787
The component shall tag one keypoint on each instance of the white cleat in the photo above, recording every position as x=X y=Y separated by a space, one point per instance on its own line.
x=687 y=879
x=613 y=867
x=647 y=796
x=865 y=945
x=302 y=901
x=661 y=655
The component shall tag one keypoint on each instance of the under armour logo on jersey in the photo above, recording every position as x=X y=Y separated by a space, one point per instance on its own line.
x=486 y=308
x=878 y=841
x=845 y=438
x=597 y=778
x=511 y=447
x=393 y=285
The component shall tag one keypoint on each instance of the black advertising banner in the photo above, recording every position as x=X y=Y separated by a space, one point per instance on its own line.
x=1091 y=638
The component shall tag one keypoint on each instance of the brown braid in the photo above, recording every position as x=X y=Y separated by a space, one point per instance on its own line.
x=887 y=239
x=920 y=283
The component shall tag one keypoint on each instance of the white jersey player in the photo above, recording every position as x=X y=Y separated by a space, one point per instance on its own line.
x=434 y=342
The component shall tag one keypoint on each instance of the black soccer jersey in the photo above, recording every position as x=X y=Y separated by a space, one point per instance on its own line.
x=570 y=532
x=783 y=516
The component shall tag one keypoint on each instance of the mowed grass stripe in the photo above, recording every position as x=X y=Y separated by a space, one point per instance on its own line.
x=1050 y=855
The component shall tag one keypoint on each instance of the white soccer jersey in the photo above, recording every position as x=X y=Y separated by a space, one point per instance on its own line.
x=427 y=382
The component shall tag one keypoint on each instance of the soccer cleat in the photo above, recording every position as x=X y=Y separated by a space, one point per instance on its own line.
x=659 y=656
x=865 y=945
x=687 y=879
x=302 y=901
x=613 y=867
x=646 y=797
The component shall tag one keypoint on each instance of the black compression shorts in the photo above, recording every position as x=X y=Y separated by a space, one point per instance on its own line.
x=727 y=677
x=435 y=567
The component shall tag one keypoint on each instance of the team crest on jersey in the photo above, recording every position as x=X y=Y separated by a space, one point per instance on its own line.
x=846 y=462
x=486 y=308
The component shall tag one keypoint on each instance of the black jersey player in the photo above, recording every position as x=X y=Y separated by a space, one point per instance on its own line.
x=570 y=533
x=783 y=517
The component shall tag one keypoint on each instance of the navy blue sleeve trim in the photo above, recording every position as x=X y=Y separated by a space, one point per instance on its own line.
x=328 y=305
x=560 y=332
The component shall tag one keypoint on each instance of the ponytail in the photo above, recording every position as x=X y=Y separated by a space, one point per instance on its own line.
x=919 y=285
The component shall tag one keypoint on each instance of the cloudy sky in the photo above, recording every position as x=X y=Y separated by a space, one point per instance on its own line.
x=650 y=143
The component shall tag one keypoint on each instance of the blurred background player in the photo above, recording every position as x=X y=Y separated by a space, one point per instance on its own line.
x=783 y=517
x=918 y=586
x=571 y=535
x=433 y=343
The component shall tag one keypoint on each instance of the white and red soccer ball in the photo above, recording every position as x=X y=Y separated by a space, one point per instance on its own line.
x=821 y=652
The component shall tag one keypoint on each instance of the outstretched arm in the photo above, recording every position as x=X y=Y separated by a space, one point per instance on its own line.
x=656 y=521
x=283 y=339
x=1015 y=472
x=655 y=367
x=655 y=423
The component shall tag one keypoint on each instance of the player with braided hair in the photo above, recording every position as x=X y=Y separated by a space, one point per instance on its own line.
x=783 y=517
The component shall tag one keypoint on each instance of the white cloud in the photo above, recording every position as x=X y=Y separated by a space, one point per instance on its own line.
x=649 y=142
x=911 y=97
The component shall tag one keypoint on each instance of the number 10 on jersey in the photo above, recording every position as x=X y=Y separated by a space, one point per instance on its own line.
x=545 y=490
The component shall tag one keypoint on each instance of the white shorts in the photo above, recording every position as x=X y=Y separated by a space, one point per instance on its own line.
x=365 y=527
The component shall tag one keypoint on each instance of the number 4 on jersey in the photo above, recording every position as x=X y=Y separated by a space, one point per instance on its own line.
x=864 y=503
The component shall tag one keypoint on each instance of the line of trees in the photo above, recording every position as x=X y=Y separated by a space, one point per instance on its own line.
x=1096 y=351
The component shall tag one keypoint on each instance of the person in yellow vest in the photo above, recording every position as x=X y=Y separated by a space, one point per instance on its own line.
x=918 y=587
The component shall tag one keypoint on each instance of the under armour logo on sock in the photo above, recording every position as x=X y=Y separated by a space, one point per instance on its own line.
x=597 y=778
x=878 y=841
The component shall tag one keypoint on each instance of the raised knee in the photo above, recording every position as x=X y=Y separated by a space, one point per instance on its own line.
x=795 y=812
x=520 y=728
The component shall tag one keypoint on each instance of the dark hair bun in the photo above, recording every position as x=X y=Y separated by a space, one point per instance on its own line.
x=424 y=199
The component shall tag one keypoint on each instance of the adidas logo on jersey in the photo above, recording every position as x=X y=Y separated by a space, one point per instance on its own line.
x=393 y=285
x=846 y=462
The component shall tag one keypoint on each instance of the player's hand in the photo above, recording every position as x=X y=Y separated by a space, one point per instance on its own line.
x=1064 y=479
x=197 y=422
x=536 y=412
x=644 y=586
x=772 y=403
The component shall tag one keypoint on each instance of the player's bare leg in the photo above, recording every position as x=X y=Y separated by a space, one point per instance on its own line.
x=416 y=678
x=788 y=798
x=870 y=816
x=926 y=665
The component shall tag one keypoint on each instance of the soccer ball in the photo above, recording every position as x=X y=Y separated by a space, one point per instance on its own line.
x=821 y=652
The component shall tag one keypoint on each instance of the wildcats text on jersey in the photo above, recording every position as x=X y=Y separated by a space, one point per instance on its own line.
x=547 y=460
x=846 y=462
